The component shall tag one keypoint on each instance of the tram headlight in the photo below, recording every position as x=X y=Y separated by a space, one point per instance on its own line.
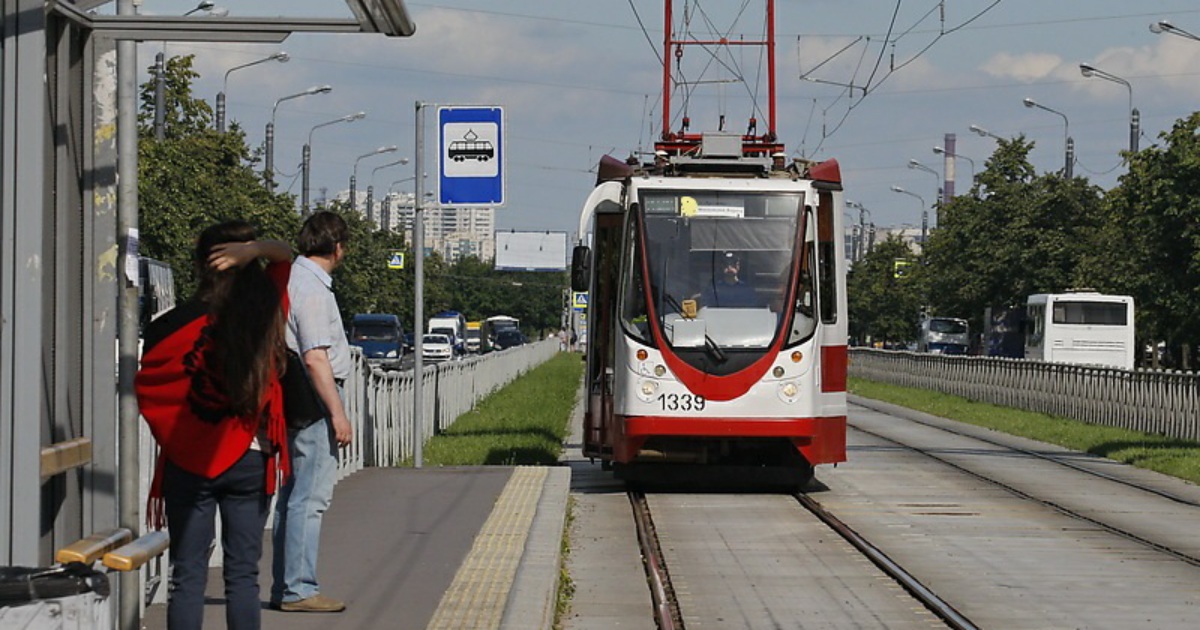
x=788 y=391
x=659 y=370
x=778 y=371
x=647 y=389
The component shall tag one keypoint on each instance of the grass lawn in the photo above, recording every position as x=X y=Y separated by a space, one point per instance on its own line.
x=523 y=423
x=1170 y=456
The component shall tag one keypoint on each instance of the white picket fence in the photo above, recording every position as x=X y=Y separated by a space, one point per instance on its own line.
x=1152 y=401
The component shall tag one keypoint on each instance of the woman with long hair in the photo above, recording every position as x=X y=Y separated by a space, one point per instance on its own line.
x=209 y=390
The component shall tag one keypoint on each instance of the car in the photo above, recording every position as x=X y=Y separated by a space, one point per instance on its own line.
x=381 y=338
x=509 y=338
x=436 y=347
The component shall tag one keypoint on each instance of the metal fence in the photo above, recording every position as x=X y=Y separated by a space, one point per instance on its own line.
x=1152 y=401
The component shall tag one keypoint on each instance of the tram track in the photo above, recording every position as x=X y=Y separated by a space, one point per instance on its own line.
x=666 y=606
x=1191 y=559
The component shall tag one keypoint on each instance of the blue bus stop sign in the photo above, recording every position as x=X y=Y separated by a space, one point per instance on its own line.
x=470 y=156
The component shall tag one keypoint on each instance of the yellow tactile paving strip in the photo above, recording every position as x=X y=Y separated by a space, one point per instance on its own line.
x=476 y=597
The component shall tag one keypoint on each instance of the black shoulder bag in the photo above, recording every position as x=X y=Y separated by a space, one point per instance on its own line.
x=302 y=406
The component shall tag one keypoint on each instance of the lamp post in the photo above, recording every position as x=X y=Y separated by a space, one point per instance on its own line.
x=1069 y=144
x=1089 y=71
x=916 y=165
x=306 y=156
x=924 y=212
x=984 y=133
x=354 y=175
x=269 y=170
x=371 y=186
x=281 y=57
x=1163 y=26
x=942 y=151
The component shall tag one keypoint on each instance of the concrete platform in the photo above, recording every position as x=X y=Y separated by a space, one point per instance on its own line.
x=471 y=547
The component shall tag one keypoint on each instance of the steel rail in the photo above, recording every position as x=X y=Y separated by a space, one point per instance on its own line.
x=666 y=606
x=910 y=583
x=1062 y=509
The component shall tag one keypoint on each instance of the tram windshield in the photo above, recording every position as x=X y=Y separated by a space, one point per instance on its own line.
x=719 y=265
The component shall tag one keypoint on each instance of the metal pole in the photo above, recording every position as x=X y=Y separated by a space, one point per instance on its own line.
x=128 y=470
x=418 y=290
x=306 y=164
x=354 y=190
x=269 y=167
x=1135 y=129
x=160 y=95
x=370 y=203
x=221 y=112
x=1070 y=167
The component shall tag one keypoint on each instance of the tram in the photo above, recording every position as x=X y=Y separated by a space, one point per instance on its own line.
x=717 y=310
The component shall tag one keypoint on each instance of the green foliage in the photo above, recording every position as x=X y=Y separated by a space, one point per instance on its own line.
x=1153 y=452
x=882 y=306
x=523 y=423
x=1148 y=244
x=1016 y=234
x=196 y=177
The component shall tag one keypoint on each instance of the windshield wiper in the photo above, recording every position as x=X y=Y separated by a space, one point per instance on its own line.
x=709 y=345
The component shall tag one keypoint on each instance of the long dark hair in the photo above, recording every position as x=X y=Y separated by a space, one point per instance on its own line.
x=247 y=325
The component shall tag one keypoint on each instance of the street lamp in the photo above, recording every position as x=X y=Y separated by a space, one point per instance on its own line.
x=281 y=57
x=306 y=157
x=984 y=133
x=1163 y=26
x=924 y=212
x=354 y=175
x=371 y=186
x=1069 y=144
x=937 y=178
x=1089 y=71
x=269 y=171
x=942 y=151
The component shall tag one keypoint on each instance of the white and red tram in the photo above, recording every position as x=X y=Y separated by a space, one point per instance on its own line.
x=678 y=371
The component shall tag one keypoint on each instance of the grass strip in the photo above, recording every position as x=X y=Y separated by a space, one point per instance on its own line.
x=1179 y=458
x=523 y=423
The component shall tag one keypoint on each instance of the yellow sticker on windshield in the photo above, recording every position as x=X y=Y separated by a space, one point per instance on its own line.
x=688 y=206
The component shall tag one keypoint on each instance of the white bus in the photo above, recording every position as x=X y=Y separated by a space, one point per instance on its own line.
x=1084 y=327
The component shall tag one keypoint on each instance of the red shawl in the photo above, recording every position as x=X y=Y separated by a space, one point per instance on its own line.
x=186 y=412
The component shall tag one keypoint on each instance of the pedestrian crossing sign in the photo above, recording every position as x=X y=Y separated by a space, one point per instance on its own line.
x=579 y=300
x=396 y=261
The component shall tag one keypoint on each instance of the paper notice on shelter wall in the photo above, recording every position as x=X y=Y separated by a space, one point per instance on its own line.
x=131 y=256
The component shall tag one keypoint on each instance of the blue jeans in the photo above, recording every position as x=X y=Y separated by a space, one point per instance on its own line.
x=192 y=502
x=299 y=508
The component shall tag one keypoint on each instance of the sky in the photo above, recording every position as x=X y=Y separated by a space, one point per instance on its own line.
x=581 y=78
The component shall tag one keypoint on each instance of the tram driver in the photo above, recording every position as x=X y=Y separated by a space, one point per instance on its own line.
x=727 y=289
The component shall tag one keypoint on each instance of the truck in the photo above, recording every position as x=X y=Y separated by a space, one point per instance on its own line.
x=381 y=337
x=474 y=329
x=452 y=324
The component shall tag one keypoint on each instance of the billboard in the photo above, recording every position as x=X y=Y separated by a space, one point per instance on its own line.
x=531 y=251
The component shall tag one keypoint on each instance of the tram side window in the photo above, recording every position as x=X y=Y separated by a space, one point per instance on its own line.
x=633 y=309
x=827 y=259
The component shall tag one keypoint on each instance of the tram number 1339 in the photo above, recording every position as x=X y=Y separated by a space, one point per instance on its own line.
x=681 y=402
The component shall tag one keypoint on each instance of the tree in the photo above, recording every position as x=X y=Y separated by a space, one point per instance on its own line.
x=884 y=305
x=196 y=177
x=1148 y=242
x=1016 y=234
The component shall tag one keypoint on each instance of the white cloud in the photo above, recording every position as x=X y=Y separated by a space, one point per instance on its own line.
x=1027 y=67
